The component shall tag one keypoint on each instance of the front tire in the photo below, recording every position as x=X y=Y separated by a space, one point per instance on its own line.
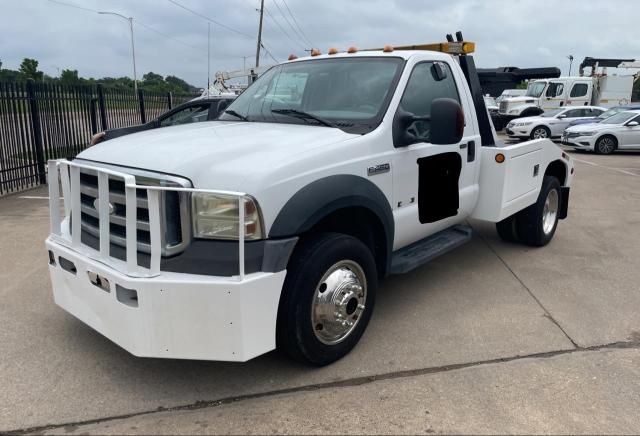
x=541 y=132
x=537 y=224
x=606 y=145
x=327 y=298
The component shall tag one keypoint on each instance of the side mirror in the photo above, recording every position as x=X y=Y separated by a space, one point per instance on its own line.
x=561 y=116
x=401 y=123
x=446 y=124
x=633 y=124
x=447 y=121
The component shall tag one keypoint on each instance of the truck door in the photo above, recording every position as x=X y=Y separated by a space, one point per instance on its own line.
x=554 y=96
x=434 y=186
x=630 y=135
x=580 y=94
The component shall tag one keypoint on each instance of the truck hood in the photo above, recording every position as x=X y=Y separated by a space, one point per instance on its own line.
x=515 y=101
x=215 y=154
x=589 y=127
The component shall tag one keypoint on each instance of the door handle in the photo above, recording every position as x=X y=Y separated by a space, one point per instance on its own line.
x=471 y=151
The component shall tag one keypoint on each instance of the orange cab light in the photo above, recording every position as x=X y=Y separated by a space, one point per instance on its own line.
x=387 y=48
x=352 y=49
x=333 y=51
x=500 y=157
x=292 y=57
x=315 y=52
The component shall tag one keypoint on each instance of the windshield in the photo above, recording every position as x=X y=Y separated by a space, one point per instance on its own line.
x=535 y=89
x=490 y=101
x=351 y=94
x=619 y=118
x=552 y=113
x=611 y=112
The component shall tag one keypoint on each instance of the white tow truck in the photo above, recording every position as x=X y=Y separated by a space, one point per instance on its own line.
x=272 y=226
x=597 y=89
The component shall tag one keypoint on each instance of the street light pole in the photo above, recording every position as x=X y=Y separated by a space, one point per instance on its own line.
x=570 y=57
x=133 y=49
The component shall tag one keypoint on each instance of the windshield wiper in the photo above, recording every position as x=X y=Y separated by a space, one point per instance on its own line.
x=303 y=115
x=236 y=114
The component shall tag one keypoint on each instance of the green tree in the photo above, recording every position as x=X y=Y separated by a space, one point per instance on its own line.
x=178 y=85
x=29 y=69
x=69 y=77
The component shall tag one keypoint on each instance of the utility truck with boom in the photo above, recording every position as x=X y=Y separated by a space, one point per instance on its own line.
x=597 y=89
x=272 y=226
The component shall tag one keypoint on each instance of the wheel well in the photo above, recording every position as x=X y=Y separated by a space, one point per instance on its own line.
x=362 y=224
x=557 y=169
x=531 y=112
x=608 y=135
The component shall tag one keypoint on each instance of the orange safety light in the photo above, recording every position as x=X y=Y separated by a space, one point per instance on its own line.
x=500 y=157
x=352 y=49
x=333 y=51
x=387 y=48
x=292 y=57
x=315 y=52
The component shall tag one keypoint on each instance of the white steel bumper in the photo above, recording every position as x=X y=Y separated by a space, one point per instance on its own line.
x=171 y=315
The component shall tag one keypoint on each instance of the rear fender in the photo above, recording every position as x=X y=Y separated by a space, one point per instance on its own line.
x=509 y=186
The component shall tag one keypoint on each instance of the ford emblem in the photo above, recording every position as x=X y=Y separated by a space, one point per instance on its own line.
x=96 y=206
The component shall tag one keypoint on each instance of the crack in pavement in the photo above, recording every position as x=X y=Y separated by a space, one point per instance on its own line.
x=357 y=381
x=513 y=273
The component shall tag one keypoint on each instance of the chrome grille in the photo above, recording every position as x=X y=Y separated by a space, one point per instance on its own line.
x=504 y=105
x=67 y=224
x=173 y=213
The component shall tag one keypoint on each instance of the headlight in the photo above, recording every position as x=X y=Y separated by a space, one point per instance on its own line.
x=216 y=216
x=513 y=111
x=523 y=124
x=586 y=133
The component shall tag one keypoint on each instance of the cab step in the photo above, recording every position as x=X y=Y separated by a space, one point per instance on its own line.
x=421 y=252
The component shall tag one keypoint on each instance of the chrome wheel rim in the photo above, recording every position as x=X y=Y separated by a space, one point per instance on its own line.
x=338 y=302
x=606 y=145
x=540 y=133
x=550 y=212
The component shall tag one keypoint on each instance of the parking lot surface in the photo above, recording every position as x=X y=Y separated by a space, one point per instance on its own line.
x=490 y=338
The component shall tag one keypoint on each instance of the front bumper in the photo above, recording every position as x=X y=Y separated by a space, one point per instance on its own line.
x=579 y=142
x=518 y=132
x=172 y=315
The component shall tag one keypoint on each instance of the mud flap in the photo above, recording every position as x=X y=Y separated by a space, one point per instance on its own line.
x=564 y=202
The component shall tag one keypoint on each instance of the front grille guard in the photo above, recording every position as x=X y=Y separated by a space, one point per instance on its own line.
x=66 y=175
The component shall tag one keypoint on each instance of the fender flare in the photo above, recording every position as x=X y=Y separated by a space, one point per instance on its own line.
x=320 y=198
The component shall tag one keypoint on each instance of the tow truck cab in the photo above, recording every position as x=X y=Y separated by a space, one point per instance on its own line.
x=273 y=225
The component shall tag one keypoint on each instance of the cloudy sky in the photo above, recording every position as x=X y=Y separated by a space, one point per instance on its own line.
x=171 y=40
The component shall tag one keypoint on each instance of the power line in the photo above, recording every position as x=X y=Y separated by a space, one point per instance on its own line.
x=71 y=5
x=210 y=19
x=296 y=23
x=282 y=29
x=283 y=15
x=222 y=25
x=166 y=36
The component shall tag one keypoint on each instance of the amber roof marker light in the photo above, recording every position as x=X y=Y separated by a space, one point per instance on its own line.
x=500 y=158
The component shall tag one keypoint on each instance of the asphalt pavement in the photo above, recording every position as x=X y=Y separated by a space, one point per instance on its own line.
x=490 y=338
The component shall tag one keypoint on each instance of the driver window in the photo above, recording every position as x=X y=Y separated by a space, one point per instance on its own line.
x=555 y=90
x=420 y=92
x=574 y=113
x=579 y=90
x=191 y=114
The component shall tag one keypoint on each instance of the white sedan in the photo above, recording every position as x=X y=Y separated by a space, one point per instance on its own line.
x=619 y=132
x=550 y=124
